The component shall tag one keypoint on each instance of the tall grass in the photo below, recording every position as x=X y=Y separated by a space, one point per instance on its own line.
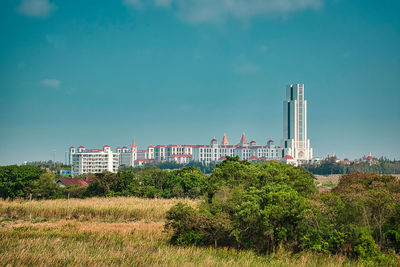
x=119 y=231
x=74 y=243
x=112 y=209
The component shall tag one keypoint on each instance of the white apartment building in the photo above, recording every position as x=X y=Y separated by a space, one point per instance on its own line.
x=93 y=160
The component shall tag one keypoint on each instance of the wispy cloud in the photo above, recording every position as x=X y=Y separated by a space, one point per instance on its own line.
x=214 y=11
x=54 y=83
x=36 y=8
x=244 y=66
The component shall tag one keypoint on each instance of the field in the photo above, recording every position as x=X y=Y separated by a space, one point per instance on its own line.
x=116 y=232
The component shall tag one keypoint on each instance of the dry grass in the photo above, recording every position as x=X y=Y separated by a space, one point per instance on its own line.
x=77 y=243
x=106 y=209
x=118 y=240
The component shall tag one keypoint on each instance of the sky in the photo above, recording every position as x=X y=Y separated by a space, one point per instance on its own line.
x=183 y=71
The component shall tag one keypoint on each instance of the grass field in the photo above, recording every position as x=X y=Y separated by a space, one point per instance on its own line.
x=116 y=232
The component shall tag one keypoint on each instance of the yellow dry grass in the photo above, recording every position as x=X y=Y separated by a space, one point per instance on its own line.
x=107 y=209
x=118 y=241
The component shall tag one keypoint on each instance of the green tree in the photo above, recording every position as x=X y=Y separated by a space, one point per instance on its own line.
x=16 y=181
x=46 y=187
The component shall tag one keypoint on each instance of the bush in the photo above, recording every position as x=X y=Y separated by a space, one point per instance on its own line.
x=46 y=187
x=267 y=206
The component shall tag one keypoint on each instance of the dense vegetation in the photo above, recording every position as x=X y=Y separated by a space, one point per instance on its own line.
x=261 y=207
x=330 y=166
x=150 y=182
x=118 y=231
x=267 y=206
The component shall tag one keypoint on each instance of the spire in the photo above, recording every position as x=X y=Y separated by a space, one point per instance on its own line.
x=133 y=142
x=243 y=140
x=225 y=140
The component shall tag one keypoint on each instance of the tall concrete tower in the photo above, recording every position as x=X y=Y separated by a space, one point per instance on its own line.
x=295 y=142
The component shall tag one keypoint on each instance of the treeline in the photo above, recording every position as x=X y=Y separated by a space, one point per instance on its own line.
x=268 y=206
x=54 y=166
x=21 y=181
x=330 y=166
x=204 y=168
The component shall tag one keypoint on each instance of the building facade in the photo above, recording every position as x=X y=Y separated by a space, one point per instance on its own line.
x=295 y=142
x=295 y=148
x=85 y=160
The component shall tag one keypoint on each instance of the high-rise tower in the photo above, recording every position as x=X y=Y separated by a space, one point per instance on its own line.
x=295 y=142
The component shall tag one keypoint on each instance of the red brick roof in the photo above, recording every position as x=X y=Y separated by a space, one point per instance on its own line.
x=73 y=181
x=243 y=140
x=224 y=140
x=287 y=157
x=180 y=156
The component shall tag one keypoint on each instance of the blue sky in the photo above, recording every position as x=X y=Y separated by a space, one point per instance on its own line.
x=183 y=71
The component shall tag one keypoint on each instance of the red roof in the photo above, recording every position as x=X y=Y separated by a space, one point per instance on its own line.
x=253 y=157
x=180 y=156
x=243 y=139
x=118 y=148
x=124 y=147
x=253 y=142
x=214 y=140
x=71 y=147
x=150 y=147
x=93 y=150
x=287 y=157
x=73 y=181
x=106 y=146
x=270 y=141
x=224 y=140
x=81 y=147
x=133 y=142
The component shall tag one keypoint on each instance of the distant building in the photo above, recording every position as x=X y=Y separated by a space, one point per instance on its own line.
x=295 y=148
x=295 y=141
x=93 y=160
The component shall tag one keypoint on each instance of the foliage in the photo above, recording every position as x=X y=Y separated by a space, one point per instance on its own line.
x=17 y=181
x=267 y=206
x=46 y=187
x=330 y=166
x=248 y=206
x=204 y=168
